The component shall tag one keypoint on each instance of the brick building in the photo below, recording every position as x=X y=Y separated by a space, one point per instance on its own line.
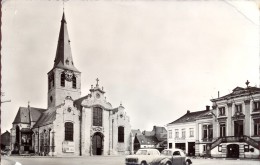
x=71 y=124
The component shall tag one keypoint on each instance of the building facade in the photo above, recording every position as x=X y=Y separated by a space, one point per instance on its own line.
x=157 y=138
x=231 y=129
x=71 y=124
x=182 y=133
x=236 y=124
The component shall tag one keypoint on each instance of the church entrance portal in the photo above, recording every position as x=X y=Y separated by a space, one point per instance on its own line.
x=97 y=144
x=233 y=151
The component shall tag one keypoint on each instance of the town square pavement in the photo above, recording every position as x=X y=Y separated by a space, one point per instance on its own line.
x=114 y=160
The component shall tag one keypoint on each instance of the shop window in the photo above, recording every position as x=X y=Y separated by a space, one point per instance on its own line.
x=170 y=145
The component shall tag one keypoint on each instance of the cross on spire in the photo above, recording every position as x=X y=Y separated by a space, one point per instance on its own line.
x=97 y=81
x=247 y=83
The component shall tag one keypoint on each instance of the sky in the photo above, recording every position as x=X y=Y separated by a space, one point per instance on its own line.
x=158 y=58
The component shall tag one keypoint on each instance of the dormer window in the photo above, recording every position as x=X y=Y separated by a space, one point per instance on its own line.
x=222 y=111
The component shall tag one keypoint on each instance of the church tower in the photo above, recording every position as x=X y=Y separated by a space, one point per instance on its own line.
x=64 y=79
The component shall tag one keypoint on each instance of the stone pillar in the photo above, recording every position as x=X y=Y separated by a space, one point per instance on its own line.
x=247 y=118
x=241 y=151
x=229 y=127
x=110 y=133
x=197 y=149
x=224 y=150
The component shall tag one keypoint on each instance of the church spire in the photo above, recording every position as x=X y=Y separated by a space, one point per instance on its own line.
x=63 y=57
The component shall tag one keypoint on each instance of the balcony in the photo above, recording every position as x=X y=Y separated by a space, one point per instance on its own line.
x=207 y=139
x=238 y=116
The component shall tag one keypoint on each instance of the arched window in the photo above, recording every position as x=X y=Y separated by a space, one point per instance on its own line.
x=97 y=116
x=62 y=80
x=69 y=131
x=74 y=82
x=121 y=134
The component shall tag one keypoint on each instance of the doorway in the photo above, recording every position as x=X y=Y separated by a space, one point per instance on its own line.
x=233 y=151
x=97 y=146
x=191 y=148
x=239 y=128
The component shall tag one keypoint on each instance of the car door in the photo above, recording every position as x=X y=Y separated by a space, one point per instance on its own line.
x=176 y=158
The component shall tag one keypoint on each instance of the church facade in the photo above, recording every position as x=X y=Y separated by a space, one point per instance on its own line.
x=71 y=125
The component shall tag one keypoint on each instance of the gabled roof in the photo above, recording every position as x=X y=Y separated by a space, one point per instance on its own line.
x=63 y=57
x=47 y=117
x=28 y=114
x=136 y=132
x=146 y=140
x=189 y=117
x=239 y=92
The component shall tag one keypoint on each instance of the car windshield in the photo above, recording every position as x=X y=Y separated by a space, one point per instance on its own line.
x=166 y=152
x=141 y=152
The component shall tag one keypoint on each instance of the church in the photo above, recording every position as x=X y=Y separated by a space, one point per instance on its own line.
x=71 y=125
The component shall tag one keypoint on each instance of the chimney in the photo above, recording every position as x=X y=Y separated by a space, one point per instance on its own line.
x=188 y=111
x=207 y=107
x=218 y=94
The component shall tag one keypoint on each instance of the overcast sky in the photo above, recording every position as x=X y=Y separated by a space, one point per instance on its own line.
x=159 y=58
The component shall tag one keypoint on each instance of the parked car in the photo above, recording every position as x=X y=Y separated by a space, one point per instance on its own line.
x=142 y=157
x=6 y=152
x=7 y=161
x=172 y=157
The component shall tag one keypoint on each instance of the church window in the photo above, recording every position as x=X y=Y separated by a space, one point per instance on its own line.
x=62 y=80
x=53 y=80
x=69 y=131
x=51 y=98
x=74 y=82
x=97 y=116
x=121 y=134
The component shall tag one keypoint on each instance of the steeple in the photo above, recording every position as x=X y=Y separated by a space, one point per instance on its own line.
x=63 y=57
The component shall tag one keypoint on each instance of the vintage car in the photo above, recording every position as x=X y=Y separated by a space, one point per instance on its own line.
x=142 y=157
x=171 y=157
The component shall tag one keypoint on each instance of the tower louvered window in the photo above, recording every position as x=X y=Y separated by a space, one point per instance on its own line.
x=62 y=80
x=121 y=134
x=97 y=116
x=69 y=131
x=74 y=82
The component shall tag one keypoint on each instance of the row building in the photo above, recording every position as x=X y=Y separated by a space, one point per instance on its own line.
x=230 y=129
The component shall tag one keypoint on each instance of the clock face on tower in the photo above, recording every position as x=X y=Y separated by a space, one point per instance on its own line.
x=98 y=95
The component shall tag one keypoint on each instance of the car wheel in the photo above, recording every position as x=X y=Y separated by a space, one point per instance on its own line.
x=187 y=163
x=143 y=163
x=168 y=163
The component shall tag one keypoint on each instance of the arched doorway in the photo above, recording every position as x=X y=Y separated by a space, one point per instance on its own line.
x=97 y=144
x=233 y=151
